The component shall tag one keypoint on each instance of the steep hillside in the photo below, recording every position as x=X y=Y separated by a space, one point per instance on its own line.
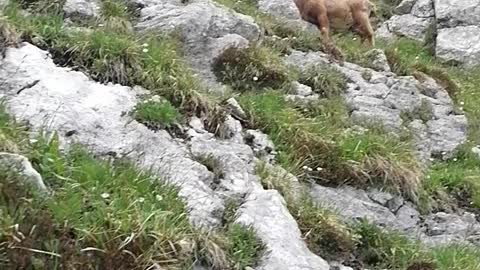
x=201 y=134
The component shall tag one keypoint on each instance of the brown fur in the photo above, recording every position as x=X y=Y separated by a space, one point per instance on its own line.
x=338 y=14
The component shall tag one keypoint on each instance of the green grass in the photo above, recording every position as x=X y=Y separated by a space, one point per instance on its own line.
x=13 y=136
x=459 y=175
x=335 y=154
x=244 y=247
x=151 y=61
x=127 y=219
x=251 y=69
x=156 y=115
x=324 y=80
x=387 y=249
x=116 y=16
x=105 y=214
x=457 y=258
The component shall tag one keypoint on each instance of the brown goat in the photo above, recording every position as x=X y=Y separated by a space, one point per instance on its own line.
x=338 y=14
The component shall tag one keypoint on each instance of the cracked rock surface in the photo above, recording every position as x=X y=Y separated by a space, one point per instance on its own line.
x=455 y=22
x=386 y=97
x=206 y=28
x=63 y=101
x=393 y=213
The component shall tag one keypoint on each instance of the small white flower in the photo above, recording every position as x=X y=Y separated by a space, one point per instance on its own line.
x=145 y=50
x=431 y=159
x=319 y=169
x=461 y=108
x=444 y=153
x=145 y=45
x=455 y=159
x=255 y=78
x=105 y=195
x=305 y=167
x=159 y=197
x=354 y=38
x=417 y=57
x=310 y=169
x=141 y=200
x=100 y=25
x=462 y=103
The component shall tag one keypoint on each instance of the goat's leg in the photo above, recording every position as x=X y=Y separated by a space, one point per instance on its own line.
x=365 y=29
x=331 y=49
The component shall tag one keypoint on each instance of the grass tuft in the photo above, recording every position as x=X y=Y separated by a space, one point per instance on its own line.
x=250 y=69
x=156 y=115
x=324 y=80
x=244 y=247
x=323 y=148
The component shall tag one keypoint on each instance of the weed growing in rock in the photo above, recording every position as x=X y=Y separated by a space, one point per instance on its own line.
x=459 y=176
x=116 y=16
x=156 y=115
x=251 y=68
x=244 y=247
x=43 y=6
x=387 y=249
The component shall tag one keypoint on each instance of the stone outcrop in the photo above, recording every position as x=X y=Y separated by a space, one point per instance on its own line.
x=206 y=28
x=393 y=213
x=19 y=167
x=81 y=9
x=454 y=26
x=388 y=98
x=96 y=115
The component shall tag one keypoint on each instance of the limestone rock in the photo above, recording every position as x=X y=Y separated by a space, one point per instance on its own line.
x=206 y=29
x=404 y=7
x=22 y=170
x=286 y=249
x=436 y=229
x=455 y=22
x=68 y=100
x=385 y=97
x=443 y=228
x=378 y=60
x=423 y=9
x=409 y=26
x=260 y=143
x=453 y=13
x=81 y=9
x=459 y=44
x=196 y=21
x=301 y=89
x=235 y=108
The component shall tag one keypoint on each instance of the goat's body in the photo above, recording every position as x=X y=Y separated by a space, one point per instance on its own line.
x=338 y=14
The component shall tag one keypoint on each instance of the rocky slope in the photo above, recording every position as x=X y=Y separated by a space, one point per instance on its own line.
x=453 y=26
x=58 y=99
